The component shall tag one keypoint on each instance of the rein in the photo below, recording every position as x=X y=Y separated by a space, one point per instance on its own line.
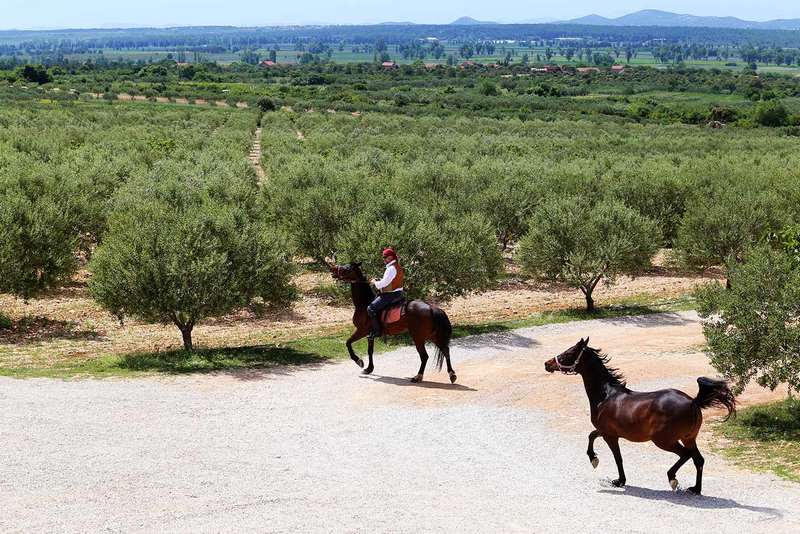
x=570 y=369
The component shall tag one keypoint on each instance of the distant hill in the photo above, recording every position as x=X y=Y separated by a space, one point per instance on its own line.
x=469 y=21
x=655 y=17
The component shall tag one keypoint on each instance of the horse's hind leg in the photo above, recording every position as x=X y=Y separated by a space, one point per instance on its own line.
x=684 y=455
x=613 y=444
x=423 y=357
x=593 y=435
x=698 y=460
x=444 y=349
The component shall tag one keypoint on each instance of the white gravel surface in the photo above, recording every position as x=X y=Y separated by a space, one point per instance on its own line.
x=322 y=449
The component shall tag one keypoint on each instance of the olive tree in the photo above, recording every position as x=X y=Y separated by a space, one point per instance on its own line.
x=444 y=256
x=723 y=223
x=753 y=328
x=580 y=244
x=38 y=239
x=180 y=249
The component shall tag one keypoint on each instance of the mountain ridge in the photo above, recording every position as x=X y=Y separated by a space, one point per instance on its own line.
x=655 y=17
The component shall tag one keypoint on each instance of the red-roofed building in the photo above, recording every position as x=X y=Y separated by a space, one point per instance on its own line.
x=268 y=63
x=389 y=65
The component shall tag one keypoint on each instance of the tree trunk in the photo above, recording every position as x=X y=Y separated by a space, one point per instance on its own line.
x=589 y=301
x=186 y=332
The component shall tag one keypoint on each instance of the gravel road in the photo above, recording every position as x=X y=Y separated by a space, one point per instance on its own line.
x=323 y=449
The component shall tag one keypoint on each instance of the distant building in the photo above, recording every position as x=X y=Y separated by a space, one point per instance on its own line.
x=389 y=65
x=268 y=63
x=618 y=68
x=586 y=70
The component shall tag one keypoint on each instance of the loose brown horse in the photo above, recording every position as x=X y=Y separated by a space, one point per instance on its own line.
x=422 y=321
x=669 y=418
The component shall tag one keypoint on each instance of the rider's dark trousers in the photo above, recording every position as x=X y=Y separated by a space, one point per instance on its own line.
x=381 y=302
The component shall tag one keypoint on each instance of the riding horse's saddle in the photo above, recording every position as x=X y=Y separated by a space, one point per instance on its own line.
x=394 y=313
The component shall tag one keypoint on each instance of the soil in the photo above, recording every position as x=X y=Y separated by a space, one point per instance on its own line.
x=322 y=448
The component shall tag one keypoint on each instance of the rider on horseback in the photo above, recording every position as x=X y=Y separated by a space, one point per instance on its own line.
x=390 y=291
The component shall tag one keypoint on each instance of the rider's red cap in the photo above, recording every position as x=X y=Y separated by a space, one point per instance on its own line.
x=389 y=253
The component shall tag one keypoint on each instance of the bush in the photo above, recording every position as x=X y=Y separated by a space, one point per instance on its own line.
x=35 y=74
x=179 y=250
x=266 y=104
x=753 y=328
x=488 y=88
x=771 y=113
x=579 y=244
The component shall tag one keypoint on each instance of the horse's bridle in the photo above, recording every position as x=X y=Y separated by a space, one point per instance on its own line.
x=337 y=275
x=571 y=368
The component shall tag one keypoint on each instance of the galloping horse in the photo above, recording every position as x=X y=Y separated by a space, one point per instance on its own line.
x=669 y=418
x=423 y=321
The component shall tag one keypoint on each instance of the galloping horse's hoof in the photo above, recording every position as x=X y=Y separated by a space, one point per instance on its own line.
x=453 y=378
x=618 y=483
x=359 y=362
x=673 y=484
x=367 y=371
x=595 y=462
x=416 y=379
x=694 y=490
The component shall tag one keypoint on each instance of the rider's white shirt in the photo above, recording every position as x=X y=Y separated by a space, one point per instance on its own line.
x=388 y=276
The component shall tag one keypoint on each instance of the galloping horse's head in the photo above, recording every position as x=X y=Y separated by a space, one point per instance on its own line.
x=349 y=273
x=568 y=361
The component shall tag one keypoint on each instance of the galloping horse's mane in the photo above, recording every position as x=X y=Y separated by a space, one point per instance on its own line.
x=612 y=374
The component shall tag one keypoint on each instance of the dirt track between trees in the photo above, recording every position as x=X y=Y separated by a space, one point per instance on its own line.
x=323 y=449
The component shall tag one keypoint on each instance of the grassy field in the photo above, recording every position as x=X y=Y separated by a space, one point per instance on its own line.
x=765 y=438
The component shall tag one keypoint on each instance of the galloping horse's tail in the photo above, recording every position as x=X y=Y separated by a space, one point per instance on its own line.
x=443 y=331
x=715 y=393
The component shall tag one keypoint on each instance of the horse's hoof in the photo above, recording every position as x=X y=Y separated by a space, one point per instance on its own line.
x=367 y=371
x=673 y=484
x=359 y=362
x=618 y=483
x=416 y=379
x=595 y=462
x=694 y=490
x=453 y=378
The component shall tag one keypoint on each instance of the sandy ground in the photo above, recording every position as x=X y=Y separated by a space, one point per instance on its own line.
x=324 y=449
x=68 y=324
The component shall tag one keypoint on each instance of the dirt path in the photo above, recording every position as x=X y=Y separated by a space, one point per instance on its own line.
x=323 y=449
x=255 y=155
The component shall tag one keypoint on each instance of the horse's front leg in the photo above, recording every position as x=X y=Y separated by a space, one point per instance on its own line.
x=593 y=435
x=613 y=444
x=358 y=334
x=370 y=350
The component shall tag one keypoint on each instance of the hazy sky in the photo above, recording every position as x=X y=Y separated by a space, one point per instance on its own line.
x=106 y=13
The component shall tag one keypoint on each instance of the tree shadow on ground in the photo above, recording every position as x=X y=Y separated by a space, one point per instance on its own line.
x=648 y=318
x=685 y=498
x=406 y=382
x=38 y=329
x=245 y=363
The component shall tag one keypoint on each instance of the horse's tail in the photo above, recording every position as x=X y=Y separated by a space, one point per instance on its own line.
x=715 y=393
x=443 y=331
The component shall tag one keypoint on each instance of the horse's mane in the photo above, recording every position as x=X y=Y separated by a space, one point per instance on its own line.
x=614 y=375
